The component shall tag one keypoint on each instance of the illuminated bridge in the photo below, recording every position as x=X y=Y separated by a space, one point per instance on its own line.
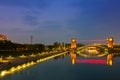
x=92 y=49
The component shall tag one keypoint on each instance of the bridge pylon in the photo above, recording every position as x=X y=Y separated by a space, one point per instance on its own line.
x=73 y=43
x=110 y=42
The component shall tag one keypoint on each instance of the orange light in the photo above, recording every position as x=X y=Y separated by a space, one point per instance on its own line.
x=73 y=61
x=110 y=39
x=73 y=40
x=110 y=62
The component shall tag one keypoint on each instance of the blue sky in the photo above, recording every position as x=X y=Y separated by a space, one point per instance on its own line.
x=59 y=20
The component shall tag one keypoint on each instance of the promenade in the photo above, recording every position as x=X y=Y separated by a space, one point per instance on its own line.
x=9 y=63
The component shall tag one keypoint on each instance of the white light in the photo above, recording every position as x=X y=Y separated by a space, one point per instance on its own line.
x=3 y=73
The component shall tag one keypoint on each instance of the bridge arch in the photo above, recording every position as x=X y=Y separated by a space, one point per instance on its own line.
x=109 y=42
x=80 y=50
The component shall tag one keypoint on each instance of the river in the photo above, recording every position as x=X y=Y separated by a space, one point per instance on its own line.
x=62 y=68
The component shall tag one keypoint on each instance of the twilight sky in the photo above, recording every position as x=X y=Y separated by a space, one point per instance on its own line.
x=59 y=20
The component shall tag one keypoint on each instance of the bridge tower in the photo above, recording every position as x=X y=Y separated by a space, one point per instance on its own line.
x=73 y=43
x=110 y=42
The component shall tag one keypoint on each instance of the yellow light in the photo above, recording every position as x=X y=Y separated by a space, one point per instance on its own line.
x=12 y=69
x=38 y=61
x=28 y=64
x=73 y=61
x=73 y=40
x=32 y=63
x=110 y=39
x=110 y=62
x=3 y=73
x=18 y=67
x=23 y=65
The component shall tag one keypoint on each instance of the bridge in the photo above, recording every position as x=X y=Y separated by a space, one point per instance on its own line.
x=109 y=42
x=92 y=49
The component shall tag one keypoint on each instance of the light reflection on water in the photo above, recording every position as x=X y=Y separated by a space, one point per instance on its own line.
x=94 y=60
x=60 y=68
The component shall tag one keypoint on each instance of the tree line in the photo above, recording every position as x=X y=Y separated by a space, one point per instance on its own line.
x=10 y=46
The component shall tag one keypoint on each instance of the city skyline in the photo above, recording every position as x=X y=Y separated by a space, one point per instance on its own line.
x=59 y=20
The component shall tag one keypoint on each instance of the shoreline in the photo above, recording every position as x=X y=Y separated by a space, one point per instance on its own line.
x=7 y=64
x=22 y=63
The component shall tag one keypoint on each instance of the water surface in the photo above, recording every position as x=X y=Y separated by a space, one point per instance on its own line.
x=60 y=68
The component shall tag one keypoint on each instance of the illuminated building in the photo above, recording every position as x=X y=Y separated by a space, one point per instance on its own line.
x=3 y=37
x=110 y=42
x=73 y=43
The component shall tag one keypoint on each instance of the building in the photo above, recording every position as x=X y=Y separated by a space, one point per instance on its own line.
x=3 y=37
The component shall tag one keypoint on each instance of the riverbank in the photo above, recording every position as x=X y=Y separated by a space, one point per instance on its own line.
x=8 y=63
x=10 y=66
